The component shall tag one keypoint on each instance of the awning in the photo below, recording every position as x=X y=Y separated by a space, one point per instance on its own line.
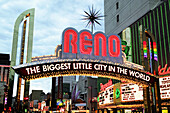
x=80 y=104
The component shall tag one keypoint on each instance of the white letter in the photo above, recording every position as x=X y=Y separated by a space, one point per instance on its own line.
x=28 y=71
x=38 y=69
x=44 y=68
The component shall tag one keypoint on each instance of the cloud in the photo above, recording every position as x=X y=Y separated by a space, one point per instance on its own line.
x=51 y=18
x=44 y=84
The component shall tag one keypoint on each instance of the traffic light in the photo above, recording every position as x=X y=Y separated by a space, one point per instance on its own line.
x=26 y=98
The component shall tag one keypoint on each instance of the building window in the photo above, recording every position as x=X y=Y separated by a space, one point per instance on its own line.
x=117 y=5
x=117 y=18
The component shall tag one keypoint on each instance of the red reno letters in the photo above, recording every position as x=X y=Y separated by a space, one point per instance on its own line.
x=86 y=43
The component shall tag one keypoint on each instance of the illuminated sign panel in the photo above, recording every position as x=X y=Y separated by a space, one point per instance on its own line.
x=103 y=87
x=131 y=92
x=107 y=96
x=109 y=93
x=59 y=102
x=86 y=45
x=70 y=67
x=164 y=83
x=164 y=71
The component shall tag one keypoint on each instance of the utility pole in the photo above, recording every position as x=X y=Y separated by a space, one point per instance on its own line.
x=91 y=97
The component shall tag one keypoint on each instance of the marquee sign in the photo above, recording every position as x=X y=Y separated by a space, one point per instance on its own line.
x=131 y=92
x=164 y=71
x=103 y=87
x=86 y=45
x=107 y=96
x=165 y=87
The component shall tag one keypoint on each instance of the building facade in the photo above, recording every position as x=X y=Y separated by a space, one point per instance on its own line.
x=37 y=95
x=120 y=14
x=151 y=15
x=144 y=25
x=4 y=79
x=82 y=84
x=68 y=80
x=88 y=91
x=4 y=67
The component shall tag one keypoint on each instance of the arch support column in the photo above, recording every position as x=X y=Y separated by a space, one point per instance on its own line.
x=157 y=97
x=146 y=95
x=30 y=14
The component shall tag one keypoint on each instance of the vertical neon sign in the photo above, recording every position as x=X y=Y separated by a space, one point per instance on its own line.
x=144 y=49
x=150 y=50
x=155 y=51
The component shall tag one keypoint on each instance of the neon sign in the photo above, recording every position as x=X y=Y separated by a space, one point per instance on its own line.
x=86 y=54
x=84 y=44
x=117 y=93
x=107 y=95
x=164 y=70
x=155 y=51
x=144 y=49
x=103 y=87
x=125 y=48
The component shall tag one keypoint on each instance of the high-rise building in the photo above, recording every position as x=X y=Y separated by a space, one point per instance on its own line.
x=37 y=95
x=68 y=80
x=4 y=67
x=144 y=26
x=132 y=19
x=4 y=76
x=122 y=13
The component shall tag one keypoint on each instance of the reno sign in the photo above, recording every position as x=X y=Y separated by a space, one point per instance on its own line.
x=85 y=45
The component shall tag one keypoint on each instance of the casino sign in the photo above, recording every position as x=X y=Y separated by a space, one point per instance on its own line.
x=84 y=53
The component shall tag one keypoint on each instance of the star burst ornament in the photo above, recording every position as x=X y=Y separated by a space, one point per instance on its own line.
x=92 y=17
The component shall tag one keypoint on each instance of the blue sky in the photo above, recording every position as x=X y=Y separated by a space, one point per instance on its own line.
x=51 y=18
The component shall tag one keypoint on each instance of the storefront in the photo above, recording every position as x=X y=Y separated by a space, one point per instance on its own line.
x=120 y=98
x=164 y=82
